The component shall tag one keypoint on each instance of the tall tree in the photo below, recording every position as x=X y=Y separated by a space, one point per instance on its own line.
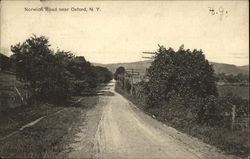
x=42 y=71
x=54 y=77
x=182 y=72
x=120 y=71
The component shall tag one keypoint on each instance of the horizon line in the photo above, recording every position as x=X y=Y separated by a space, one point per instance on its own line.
x=127 y=62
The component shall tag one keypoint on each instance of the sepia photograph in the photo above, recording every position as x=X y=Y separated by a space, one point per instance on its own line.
x=119 y=79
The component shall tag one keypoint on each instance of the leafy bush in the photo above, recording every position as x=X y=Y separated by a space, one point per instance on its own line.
x=184 y=72
x=182 y=85
x=242 y=105
x=211 y=111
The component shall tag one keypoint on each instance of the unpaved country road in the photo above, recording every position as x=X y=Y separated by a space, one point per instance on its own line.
x=124 y=131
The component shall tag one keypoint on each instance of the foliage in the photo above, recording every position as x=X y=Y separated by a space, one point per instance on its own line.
x=182 y=84
x=232 y=78
x=183 y=72
x=119 y=71
x=103 y=74
x=242 y=105
x=5 y=63
x=41 y=70
x=210 y=110
x=54 y=76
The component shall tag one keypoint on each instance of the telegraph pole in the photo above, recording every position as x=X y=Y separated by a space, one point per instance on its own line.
x=150 y=53
x=130 y=73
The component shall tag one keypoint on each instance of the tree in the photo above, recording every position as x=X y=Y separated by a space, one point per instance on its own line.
x=5 y=62
x=120 y=71
x=54 y=76
x=183 y=72
x=103 y=74
x=30 y=57
x=42 y=71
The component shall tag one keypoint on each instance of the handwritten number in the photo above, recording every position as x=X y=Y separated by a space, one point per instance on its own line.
x=219 y=11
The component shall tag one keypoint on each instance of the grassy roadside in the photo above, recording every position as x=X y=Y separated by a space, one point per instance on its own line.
x=49 y=137
x=232 y=142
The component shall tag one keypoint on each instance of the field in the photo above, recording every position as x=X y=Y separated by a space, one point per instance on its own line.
x=241 y=91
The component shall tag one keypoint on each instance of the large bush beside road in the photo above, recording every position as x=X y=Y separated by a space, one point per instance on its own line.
x=183 y=85
x=182 y=72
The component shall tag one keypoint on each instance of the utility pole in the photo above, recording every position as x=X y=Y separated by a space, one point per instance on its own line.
x=132 y=83
x=149 y=53
x=153 y=54
x=130 y=74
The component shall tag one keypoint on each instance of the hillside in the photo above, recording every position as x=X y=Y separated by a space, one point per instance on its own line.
x=138 y=66
x=142 y=65
x=228 y=68
x=245 y=67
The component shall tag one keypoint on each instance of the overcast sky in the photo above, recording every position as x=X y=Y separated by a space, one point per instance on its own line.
x=121 y=31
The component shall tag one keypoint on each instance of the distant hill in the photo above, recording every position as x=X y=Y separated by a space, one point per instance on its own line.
x=245 y=67
x=228 y=68
x=139 y=66
x=142 y=65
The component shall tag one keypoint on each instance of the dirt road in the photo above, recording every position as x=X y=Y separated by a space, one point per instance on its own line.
x=124 y=131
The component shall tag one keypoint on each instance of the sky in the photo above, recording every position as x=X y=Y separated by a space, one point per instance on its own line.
x=119 y=31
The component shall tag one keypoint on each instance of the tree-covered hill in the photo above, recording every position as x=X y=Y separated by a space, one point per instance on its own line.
x=142 y=65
